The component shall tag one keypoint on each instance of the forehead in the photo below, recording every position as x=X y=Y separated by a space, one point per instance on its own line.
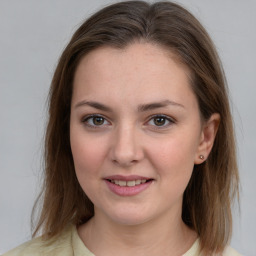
x=141 y=70
x=137 y=53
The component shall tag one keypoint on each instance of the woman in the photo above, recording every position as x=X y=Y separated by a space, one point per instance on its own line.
x=139 y=153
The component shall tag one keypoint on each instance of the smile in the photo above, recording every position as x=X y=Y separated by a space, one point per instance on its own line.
x=130 y=183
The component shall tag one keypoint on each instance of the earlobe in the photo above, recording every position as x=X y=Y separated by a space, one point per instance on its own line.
x=207 y=138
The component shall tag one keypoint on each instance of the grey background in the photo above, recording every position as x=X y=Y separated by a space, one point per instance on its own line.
x=33 y=35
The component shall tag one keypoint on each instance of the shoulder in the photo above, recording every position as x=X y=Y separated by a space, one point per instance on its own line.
x=61 y=246
x=231 y=252
x=195 y=251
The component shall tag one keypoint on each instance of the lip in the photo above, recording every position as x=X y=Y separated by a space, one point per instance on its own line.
x=126 y=190
x=127 y=178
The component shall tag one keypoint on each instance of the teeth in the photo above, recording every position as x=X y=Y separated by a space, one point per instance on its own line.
x=122 y=183
x=130 y=183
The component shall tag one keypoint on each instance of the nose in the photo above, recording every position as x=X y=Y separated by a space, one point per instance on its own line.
x=126 y=149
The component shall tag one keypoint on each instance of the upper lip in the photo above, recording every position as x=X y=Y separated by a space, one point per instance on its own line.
x=127 y=178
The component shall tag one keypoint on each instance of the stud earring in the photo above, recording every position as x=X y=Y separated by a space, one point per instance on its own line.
x=201 y=157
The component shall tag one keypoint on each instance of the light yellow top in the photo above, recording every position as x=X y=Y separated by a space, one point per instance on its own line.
x=70 y=244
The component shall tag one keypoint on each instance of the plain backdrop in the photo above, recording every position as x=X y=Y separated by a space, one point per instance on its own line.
x=32 y=37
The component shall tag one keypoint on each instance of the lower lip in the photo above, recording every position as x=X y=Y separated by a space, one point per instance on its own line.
x=128 y=191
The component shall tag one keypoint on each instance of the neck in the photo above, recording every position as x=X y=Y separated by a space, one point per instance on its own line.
x=166 y=236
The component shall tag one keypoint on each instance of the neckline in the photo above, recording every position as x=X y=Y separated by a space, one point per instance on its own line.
x=194 y=249
x=80 y=249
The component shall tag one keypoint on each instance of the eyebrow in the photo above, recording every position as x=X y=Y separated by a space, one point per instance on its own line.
x=94 y=104
x=141 y=108
x=155 y=105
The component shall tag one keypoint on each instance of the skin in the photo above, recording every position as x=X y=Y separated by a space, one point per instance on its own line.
x=128 y=140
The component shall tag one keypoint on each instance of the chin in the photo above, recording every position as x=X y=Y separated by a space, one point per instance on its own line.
x=128 y=218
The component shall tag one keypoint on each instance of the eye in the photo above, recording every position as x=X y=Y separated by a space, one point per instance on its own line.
x=160 y=121
x=95 y=121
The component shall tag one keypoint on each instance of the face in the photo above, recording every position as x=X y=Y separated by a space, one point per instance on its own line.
x=135 y=132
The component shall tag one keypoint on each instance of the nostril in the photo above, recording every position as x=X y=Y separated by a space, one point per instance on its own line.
x=124 y=162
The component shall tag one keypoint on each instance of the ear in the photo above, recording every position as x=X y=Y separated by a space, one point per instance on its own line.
x=207 y=138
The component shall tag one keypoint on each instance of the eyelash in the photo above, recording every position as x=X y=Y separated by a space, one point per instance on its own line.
x=153 y=118
x=86 y=119
x=166 y=119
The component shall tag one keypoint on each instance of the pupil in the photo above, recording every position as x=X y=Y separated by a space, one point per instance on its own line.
x=98 y=120
x=159 y=121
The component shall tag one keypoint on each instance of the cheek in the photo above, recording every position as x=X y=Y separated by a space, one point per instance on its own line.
x=174 y=151
x=88 y=153
x=174 y=163
x=174 y=157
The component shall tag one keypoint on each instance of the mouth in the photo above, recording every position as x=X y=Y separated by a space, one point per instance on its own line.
x=130 y=183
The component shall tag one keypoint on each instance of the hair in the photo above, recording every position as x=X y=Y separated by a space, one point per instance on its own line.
x=214 y=184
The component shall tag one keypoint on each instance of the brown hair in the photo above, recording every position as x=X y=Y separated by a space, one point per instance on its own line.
x=213 y=185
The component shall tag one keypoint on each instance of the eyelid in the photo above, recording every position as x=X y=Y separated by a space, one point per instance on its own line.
x=87 y=117
x=168 y=118
x=171 y=121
